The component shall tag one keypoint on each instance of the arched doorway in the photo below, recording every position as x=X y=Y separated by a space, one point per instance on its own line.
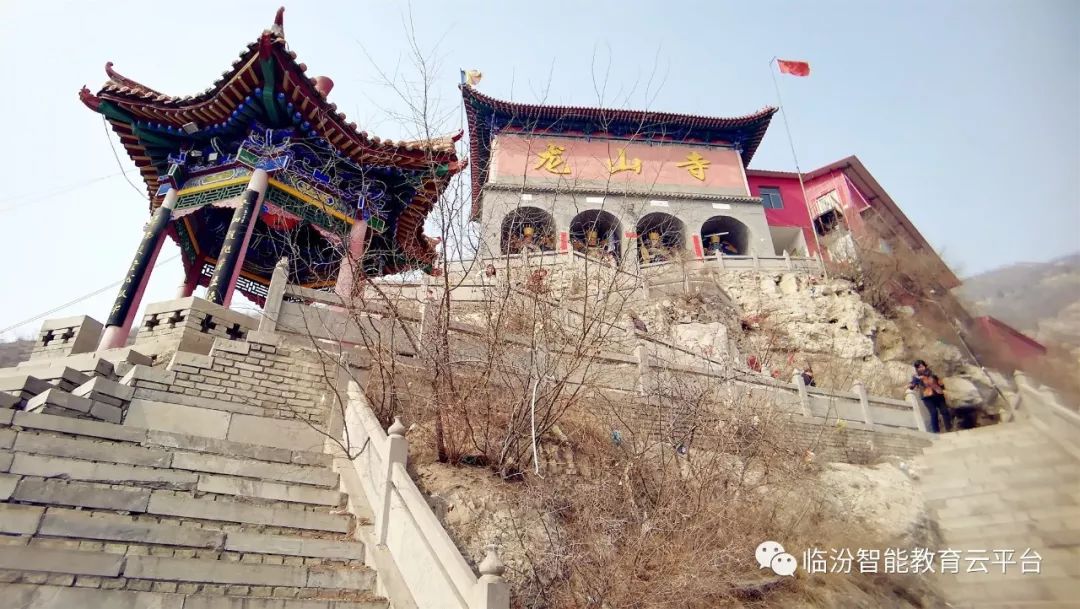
x=527 y=229
x=597 y=233
x=660 y=237
x=726 y=235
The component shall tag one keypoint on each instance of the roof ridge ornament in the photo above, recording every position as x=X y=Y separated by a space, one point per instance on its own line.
x=278 y=29
x=124 y=81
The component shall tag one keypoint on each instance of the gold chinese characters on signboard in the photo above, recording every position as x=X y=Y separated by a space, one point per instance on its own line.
x=621 y=164
x=551 y=160
x=696 y=165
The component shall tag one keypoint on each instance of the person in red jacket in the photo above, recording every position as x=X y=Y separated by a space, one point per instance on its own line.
x=932 y=391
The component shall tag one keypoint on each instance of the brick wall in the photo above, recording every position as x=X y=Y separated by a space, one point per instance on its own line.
x=281 y=381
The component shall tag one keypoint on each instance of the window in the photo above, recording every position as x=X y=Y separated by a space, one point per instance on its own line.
x=770 y=198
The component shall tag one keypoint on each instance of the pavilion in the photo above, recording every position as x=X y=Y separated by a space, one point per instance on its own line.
x=261 y=166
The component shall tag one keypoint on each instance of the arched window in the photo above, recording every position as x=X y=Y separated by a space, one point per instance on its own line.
x=726 y=235
x=597 y=233
x=660 y=237
x=527 y=229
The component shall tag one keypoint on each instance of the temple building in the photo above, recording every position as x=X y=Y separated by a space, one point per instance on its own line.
x=614 y=183
x=261 y=166
x=657 y=185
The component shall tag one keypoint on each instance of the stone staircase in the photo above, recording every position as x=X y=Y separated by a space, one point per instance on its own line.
x=94 y=513
x=1006 y=487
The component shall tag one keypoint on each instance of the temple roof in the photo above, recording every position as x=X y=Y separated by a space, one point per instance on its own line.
x=268 y=78
x=487 y=116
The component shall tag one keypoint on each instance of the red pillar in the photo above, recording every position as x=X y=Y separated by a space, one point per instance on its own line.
x=126 y=305
x=234 y=248
x=349 y=274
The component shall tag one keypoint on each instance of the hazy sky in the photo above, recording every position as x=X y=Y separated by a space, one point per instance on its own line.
x=967 y=112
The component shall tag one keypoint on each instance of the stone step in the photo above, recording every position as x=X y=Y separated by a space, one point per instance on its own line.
x=114 y=453
x=1012 y=480
x=91 y=449
x=8 y=400
x=87 y=363
x=284 y=472
x=165 y=439
x=1013 y=592
x=59 y=402
x=23 y=386
x=1012 y=446
x=232 y=448
x=101 y=389
x=16 y=519
x=948 y=520
x=272 y=491
x=996 y=467
x=57 y=375
x=169 y=504
x=30 y=596
x=221 y=572
x=45 y=466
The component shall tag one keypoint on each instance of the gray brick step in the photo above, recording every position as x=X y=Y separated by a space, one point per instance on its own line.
x=219 y=572
x=27 y=558
x=283 y=472
x=28 y=596
x=168 y=504
x=154 y=438
x=59 y=402
x=107 y=526
x=271 y=491
x=89 y=471
x=104 y=390
x=23 y=386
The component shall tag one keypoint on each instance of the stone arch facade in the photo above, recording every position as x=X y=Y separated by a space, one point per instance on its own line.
x=726 y=235
x=527 y=228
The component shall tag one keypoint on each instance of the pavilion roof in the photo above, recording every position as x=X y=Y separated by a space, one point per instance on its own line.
x=150 y=123
x=487 y=115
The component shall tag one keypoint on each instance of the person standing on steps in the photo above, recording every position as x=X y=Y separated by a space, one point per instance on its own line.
x=932 y=391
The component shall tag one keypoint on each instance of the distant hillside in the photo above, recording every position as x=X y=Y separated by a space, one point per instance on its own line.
x=1040 y=298
x=14 y=352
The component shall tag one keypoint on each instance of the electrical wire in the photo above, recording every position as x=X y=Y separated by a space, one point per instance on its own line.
x=77 y=300
x=105 y=125
x=36 y=197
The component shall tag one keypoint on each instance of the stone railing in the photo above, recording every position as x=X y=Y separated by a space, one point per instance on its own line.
x=1045 y=410
x=192 y=321
x=426 y=560
x=752 y=262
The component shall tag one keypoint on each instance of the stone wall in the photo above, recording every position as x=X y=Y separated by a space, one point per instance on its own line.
x=192 y=324
x=262 y=376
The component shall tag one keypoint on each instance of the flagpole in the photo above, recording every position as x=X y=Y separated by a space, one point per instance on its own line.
x=795 y=157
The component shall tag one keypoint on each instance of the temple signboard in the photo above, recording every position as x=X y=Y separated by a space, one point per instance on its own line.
x=611 y=164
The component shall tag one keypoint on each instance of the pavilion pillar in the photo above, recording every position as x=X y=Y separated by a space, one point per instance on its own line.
x=234 y=247
x=349 y=273
x=188 y=285
x=126 y=305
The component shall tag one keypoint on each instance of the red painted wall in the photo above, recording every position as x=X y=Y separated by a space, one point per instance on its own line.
x=794 y=212
x=1015 y=343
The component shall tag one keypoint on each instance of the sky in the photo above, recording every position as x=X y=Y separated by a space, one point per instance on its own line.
x=966 y=111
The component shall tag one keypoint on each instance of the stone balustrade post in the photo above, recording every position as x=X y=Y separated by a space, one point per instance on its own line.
x=492 y=591
x=864 y=401
x=397 y=452
x=642 y=354
x=804 y=397
x=426 y=308
x=916 y=409
x=787 y=260
x=279 y=280
x=757 y=262
x=644 y=288
x=720 y=259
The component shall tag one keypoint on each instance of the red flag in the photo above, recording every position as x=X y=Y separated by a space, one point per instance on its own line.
x=795 y=68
